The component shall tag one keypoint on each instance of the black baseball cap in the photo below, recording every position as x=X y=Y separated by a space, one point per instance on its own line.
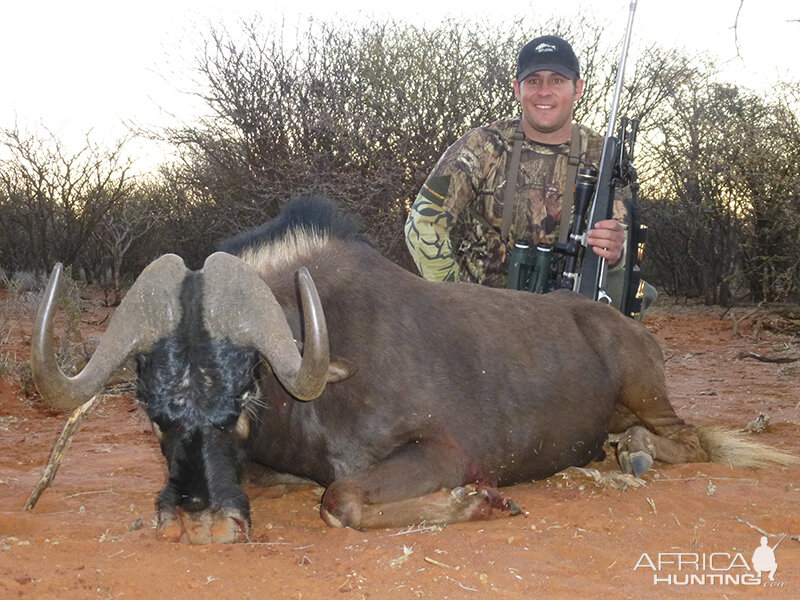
x=548 y=53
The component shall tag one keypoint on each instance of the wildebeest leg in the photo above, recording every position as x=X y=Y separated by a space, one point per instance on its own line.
x=407 y=488
x=651 y=429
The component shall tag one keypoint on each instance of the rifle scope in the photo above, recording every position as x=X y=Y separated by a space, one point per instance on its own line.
x=585 y=184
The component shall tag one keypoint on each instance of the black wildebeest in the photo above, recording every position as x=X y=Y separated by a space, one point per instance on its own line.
x=422 y=386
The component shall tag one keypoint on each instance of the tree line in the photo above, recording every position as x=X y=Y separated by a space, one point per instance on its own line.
x=361 y=113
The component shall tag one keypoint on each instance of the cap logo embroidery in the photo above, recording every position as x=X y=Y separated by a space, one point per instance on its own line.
x=544 y=47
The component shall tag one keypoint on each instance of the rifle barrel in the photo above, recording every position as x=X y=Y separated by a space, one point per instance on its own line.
x=612 y=120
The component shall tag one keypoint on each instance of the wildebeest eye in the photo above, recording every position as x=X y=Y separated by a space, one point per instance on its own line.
x=228 y=422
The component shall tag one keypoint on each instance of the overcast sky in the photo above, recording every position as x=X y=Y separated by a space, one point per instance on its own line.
x=80 y=65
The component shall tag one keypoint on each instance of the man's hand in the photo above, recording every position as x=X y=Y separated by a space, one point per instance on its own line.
x=607 y=239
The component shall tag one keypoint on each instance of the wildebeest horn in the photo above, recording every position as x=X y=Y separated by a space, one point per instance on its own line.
x=149 y=311
x=240 y=306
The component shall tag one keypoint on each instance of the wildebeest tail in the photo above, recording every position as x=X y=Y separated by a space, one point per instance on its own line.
x=732 y=448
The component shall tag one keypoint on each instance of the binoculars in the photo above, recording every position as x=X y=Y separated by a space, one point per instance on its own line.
x=529 y=268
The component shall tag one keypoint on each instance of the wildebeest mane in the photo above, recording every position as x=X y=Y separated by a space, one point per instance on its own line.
x=304 y=215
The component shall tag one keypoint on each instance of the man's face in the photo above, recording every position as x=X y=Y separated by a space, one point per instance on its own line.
x=547 y=100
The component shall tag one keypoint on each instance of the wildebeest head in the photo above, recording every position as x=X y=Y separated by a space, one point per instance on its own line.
x=197 y=338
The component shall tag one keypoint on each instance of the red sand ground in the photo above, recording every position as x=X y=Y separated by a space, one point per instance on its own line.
x=92 y=534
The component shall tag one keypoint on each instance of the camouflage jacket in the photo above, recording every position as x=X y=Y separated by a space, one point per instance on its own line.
x=466 y=191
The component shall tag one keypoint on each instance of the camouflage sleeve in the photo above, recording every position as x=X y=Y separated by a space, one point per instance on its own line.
x=449 y=189
x=428 y=238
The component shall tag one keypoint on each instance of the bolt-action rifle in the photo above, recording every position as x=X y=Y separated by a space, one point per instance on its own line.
x=615 y=170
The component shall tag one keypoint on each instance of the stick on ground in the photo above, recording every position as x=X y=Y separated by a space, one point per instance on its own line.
x=767 y=533
x=60 y=449
x=769 y=359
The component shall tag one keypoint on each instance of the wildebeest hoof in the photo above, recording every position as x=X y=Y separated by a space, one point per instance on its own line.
x=512 y=507
x=221 y=526
x=342 y=505
x=636 y=451
x=637 y=463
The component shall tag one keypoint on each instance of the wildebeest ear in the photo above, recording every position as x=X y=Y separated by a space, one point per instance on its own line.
x=340 y=369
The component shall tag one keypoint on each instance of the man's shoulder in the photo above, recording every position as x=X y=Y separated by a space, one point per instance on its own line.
x=589 y=133
x=492 y=138
x=503 y=130
x=592 y=145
